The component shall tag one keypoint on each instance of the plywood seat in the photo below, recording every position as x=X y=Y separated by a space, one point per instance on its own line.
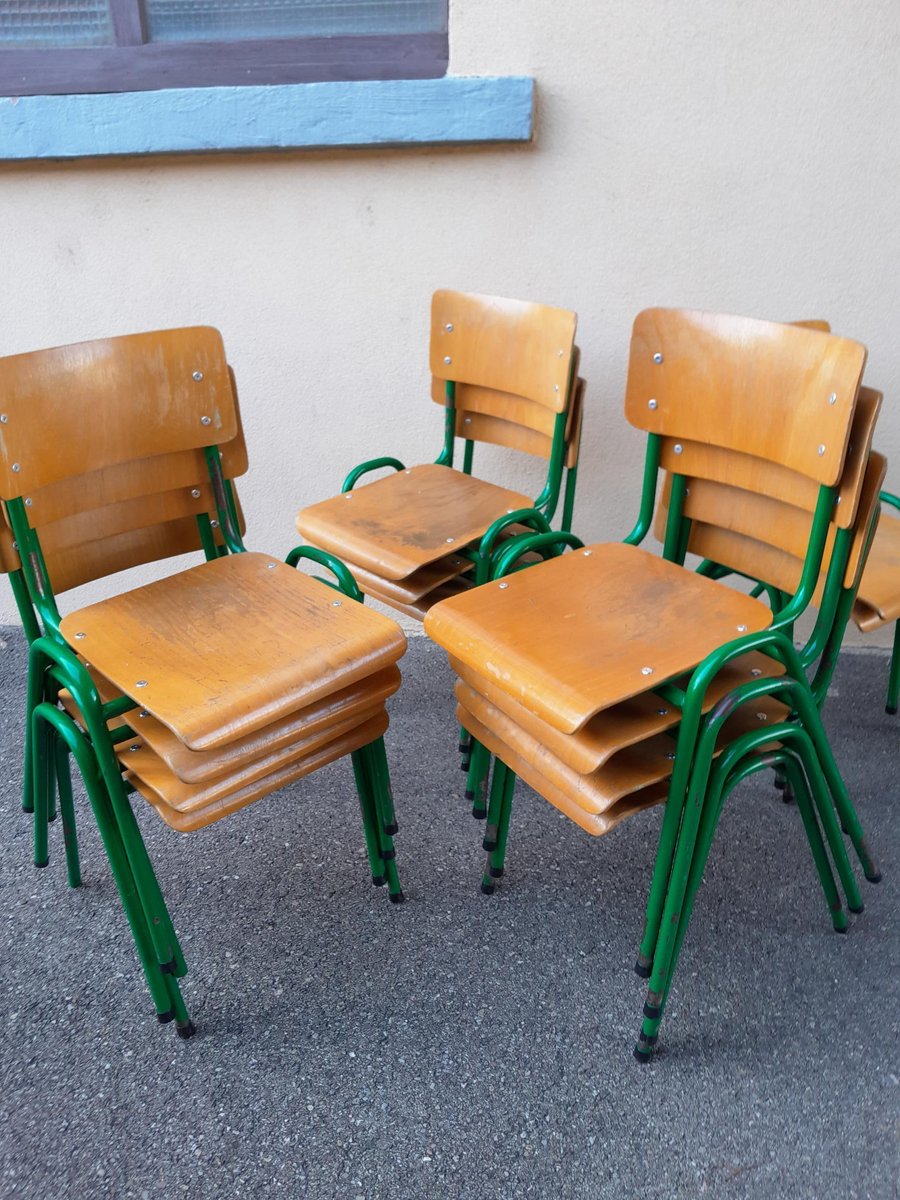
x=879 y=592
x=399 y=524
x=621 y=725
x=579 y=633
x=226 y=803
x=225 y=648
x=628 y=772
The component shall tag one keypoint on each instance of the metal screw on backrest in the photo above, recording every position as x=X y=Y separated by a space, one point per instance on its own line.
x=651 y=404
x=662 y=712
x=447 y=359
x=143 y=713
x=678 y=449
x=467 y=421
x=556 y=387
x=28 y=502
x=198 y=375
x=195 y=492
x=670 y=754
x=832 y=399
x=449 y=328
x=141 y=683
x=646 y=670
x=206 y=420
x=657 y=358
x=821 y=451
x=16 y=467
x=214 y=524
x=3 y=418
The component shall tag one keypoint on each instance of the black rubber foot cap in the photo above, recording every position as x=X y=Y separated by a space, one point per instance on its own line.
x=168 y=968
x=891 y=710
x=652 y=1011
x=843 y=930
x=876 y=878
x=487 y=889
x=470 y=795
x=642 y=1056
x=391 y=829
x=480 y=814
x=642 y=969
x=379 y=880
x=40 y=865
x=51 y=817
x=495 y=872
x=464 y=747
x=185 y=1029
x=780 y=784
x=489 y=845
x=862 y=908
x=166 y=1017
x=396 y=897
x=464 y=765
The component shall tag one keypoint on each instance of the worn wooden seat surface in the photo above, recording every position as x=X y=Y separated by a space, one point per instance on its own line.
x=360 y=736
x=621 y=725
x=879 y=590
x=584 y=631
x=398 y=524
x=198 y=767
x=227 y=647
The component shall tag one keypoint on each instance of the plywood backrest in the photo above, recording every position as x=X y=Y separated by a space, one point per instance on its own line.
x=77 y=409
x=505 y=345
x=697 y=461
x=776 y=392
x=482 y=427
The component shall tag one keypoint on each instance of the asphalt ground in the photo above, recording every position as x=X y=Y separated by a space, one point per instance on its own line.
x=458 y=1045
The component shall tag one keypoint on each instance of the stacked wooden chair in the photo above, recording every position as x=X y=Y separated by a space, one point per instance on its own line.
x=612 y=679
x=203 y=691
x=506 y=373
x=878 y=602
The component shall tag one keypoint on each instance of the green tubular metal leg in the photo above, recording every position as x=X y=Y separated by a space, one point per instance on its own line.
x=893 y=692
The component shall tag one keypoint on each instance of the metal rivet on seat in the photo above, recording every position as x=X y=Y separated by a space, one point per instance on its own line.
x=756 y=671
x=762 y=716
x=449 y=328
x=450 y=541
x=821 y=450
x=657 y=358
x=141 y=683
x=678 y=448
x=206 y=420
x=587 y=553
x=214 y=524
x=270 y=566
x=134 y=746
x=143 y=713
x=832 y=399
x=408 y=471
x=742 y=628
x=503 y=585
x=447 y=359
x=16 y=467
x=28 y=502
x=195 y=492
x=348 y=495
x=646 y=670
x=467 y=421
x=662 y=712
x=651 y=404
x=335 y=604
x=198 y=375
x=80 y=636
x=670 y=754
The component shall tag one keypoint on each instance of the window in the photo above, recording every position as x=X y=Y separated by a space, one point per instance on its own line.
x=51 y=47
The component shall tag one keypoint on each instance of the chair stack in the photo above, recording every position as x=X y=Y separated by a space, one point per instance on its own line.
x=201 y=692
x=611 y=679
x=506 y=373
x=878 y=602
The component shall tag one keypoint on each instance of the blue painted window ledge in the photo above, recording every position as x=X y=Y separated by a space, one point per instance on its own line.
x=400 y=112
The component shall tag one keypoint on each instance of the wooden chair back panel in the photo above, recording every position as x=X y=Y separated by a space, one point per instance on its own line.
x=576 y=425
x=777 y=392
x=502 y=406
x=480 y=427
x=730 y=467
x=62 y=410
x=506 y=345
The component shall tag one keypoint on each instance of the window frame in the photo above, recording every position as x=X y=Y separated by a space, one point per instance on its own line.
x=134 y=64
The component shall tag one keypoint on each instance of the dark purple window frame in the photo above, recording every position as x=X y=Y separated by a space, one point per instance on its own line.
x=135 y=65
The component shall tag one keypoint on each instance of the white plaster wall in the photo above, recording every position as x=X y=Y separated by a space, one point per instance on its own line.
x=741 y=157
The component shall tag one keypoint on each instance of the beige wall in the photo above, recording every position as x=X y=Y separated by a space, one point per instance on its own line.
x=730 y=156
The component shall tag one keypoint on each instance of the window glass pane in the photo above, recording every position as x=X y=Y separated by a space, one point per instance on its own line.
x=59 y=23
x=233 y=20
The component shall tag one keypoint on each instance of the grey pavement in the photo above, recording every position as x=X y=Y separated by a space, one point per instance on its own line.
x=459 y=1045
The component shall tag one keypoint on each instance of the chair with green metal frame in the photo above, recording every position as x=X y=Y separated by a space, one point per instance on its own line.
x=643 y=645
x=228 y=679
x=878 y=602
x=506 y=373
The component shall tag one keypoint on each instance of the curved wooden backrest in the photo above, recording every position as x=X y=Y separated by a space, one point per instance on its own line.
x=506 y=345
x=77 y=409
x=700 y=462
x=483 y=427
x=761 y=560
x=778 y=392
